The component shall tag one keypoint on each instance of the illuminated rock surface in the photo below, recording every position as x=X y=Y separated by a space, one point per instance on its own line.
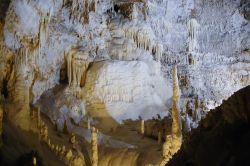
x=69 y=65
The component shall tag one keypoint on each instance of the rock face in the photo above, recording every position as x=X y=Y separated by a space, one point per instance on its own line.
x=127 y=89
x=125 y=50
x=222 y=138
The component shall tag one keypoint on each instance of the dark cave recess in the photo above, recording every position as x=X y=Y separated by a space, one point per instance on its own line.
x=222 y=138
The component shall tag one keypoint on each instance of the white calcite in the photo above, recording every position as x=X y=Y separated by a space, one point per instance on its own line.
x=128 y=89
x=129 y=61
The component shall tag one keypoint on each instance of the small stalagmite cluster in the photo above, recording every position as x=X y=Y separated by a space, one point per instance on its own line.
x=72 y=157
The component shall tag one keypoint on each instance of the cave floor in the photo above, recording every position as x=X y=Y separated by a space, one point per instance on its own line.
x=147 y=149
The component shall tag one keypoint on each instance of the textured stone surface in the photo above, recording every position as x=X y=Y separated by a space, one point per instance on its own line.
x=207 y=39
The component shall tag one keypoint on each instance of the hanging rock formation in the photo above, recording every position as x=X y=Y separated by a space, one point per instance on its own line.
x=192 y=26
x=77 y=65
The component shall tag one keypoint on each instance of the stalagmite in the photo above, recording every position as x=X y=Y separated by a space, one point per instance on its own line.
x=62 y=153
x=46 y=133
x=176 y=124
x=69 y=156
x=173 y=142
x=57 y=149
x=94 y=147
x=73 y=139
x=88 y=124
x=34 y=161
x=159 y=137
x=49 y=143
x=166 y=150
x=77 y=161
x=142 y=127
x=38 y=118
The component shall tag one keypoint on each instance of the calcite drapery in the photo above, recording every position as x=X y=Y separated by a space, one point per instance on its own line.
x=144 y=39
x=20 y=82
x=77 y=65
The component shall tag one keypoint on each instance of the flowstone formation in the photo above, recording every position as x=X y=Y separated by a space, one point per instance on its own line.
x=108 y=64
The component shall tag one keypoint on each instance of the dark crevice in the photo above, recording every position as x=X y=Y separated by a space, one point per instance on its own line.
x=4 y=5
x=222 y=137
x=5 y=88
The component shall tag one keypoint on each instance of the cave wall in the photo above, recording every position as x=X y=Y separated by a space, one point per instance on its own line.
x=207 y=39
x=222 y=137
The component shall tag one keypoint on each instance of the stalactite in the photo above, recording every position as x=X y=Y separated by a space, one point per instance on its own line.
x=143 y=38
x=134 y=13
x=77 y=65
x=158 y=51
x=94 y=147
x=192 y=27
x=80 y=10
x=145 y=10
x=43 y=31
x=69 y=67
